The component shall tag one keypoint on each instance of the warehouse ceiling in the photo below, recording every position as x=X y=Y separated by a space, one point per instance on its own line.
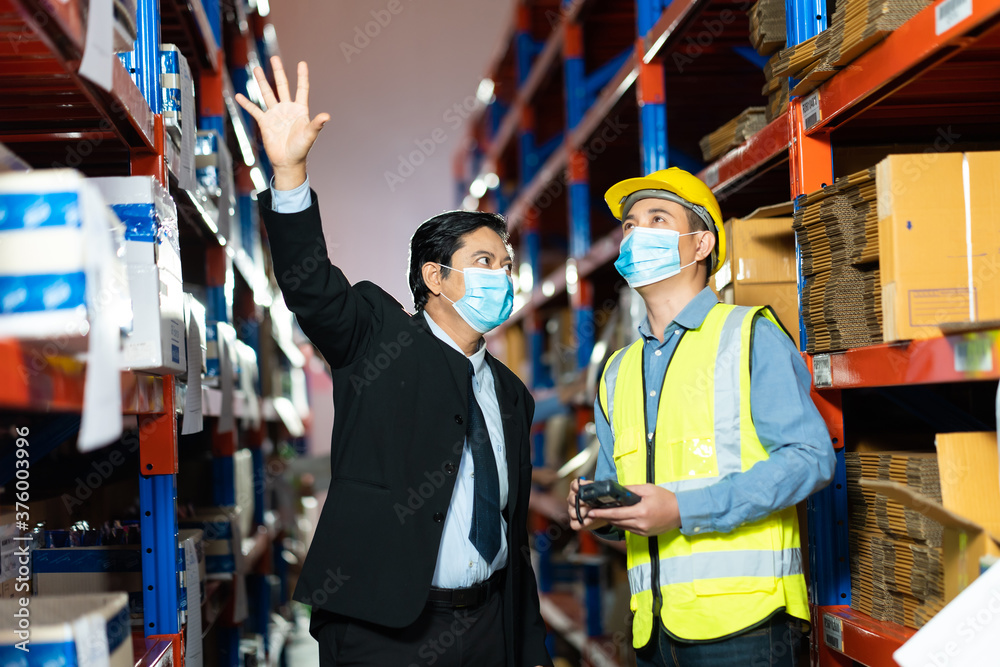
x=409 y=81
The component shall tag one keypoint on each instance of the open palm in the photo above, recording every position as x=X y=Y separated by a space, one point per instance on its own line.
x=285 y=126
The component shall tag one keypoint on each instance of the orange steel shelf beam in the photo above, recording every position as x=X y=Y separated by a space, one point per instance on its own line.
x=955 y=358
x=861 y=637
x=903 y=55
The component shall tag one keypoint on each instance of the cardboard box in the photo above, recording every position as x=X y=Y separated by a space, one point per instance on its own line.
x=90 y=630
x=102 y=569
x=970 y=507
x=152 y=247
x=223 y=539
x=940 y=260
x=761 y=269
x=179 y=114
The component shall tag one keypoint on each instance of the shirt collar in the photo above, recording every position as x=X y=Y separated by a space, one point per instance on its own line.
x=478 y=358
x=691 y=316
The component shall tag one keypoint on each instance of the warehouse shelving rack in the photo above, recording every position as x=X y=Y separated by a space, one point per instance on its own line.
x=930 y=73
x=52 y=116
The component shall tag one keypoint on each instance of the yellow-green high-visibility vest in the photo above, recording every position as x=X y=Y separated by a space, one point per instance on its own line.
x=711 y=585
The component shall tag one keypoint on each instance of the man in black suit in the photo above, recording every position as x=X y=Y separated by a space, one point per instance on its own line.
x=416 y=560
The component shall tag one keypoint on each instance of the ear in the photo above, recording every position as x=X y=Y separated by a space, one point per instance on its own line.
x=706 y=244
x=431 y=272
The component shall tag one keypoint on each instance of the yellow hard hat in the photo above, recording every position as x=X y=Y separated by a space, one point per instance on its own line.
x=689 y=191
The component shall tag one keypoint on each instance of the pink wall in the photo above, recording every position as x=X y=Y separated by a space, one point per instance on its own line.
x=398 y=88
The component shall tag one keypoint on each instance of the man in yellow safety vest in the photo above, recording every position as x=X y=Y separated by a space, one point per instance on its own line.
x=707 y=417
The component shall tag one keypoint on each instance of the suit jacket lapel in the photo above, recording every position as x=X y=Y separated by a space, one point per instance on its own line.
x=454 y=360
x=509 y=401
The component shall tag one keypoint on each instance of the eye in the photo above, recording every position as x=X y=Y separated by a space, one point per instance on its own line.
x=659 y=219
x=628 y=226
x=485 y=261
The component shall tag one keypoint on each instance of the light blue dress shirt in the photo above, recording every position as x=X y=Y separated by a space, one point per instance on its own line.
x=788 y=425
x=459 y=564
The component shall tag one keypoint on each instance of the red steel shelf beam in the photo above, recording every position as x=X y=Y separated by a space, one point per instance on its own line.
x=859 y=636
x=905 y=54
x=152 y=652
x=955 y=358
x=37 y=382
x=728 y=172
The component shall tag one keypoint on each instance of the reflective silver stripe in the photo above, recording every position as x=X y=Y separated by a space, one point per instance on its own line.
x=727 y=393
x=718 y=565
x=610 y=378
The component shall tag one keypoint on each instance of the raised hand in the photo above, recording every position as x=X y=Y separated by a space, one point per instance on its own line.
x=285 y=127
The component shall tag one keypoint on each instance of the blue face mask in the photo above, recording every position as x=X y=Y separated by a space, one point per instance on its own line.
x=488 y=300
x=648 y=256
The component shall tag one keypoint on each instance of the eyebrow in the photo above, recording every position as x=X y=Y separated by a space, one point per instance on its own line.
x=631 y=216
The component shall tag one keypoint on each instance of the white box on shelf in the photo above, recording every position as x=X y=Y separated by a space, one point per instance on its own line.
x=180 y=117
x=154 y=269
x=89 y=629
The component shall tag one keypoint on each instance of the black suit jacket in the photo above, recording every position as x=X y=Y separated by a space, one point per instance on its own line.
x=399 y=429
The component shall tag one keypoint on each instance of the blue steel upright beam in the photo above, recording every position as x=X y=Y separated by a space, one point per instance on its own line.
x=146 y=54
x=804 y=19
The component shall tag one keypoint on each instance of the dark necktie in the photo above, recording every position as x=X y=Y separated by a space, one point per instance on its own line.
x=485 y=531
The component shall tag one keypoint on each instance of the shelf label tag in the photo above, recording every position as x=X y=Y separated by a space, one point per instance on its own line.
x=833 y=632
x=712 y=175
x=822 y=371
x=811 y=114
x=974 y=355
x=950 y=13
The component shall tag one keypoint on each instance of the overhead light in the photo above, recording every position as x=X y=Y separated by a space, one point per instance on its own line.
x=525 y=278
x=271 y=38
x=470 y=203
x=548 y=288
x=478 y=188
x=572 y=277
x=263 y=7
x=597 y=355
x=257 y=176
x=491 y=180
x=485 y=91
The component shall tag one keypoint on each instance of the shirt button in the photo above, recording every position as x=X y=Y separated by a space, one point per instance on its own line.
x=458 y=419
x=658 y=353
x=649 y=436
x=471 y=564
x=652 y=393
x=677 y=333
x=438 y=517
x=697 y=529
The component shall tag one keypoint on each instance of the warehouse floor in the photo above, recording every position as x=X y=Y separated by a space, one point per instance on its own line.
x=301 y=649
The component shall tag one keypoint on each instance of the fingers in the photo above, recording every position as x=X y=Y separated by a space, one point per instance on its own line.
x=302 y=92
x=265 y=88
x=249 y=107
x=319 y=121
x=280 y=80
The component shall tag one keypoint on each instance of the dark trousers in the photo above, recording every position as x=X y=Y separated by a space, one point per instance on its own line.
x=778 y=642
x=442 y=636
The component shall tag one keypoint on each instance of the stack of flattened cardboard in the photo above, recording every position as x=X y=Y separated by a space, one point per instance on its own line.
x=733 y=133
x=776 y=91
x=837 y=231
x=767 y=26
x=856 y=26
x=897 y=568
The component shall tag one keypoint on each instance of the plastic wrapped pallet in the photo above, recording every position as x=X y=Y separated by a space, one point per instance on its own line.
x=91 y=630
x=63 y=284
x=152 y=246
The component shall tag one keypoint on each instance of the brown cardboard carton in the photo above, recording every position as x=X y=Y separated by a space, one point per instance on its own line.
x=940 y=259
x=970 y=509
x=761 y=268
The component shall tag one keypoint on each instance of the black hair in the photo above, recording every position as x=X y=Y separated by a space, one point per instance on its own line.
x=437 y=239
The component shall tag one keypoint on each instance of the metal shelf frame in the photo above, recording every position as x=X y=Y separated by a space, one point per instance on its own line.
x=874 y=92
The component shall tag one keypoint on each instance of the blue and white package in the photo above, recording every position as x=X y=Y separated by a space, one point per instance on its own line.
x=179 y=114
x=157 y=342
